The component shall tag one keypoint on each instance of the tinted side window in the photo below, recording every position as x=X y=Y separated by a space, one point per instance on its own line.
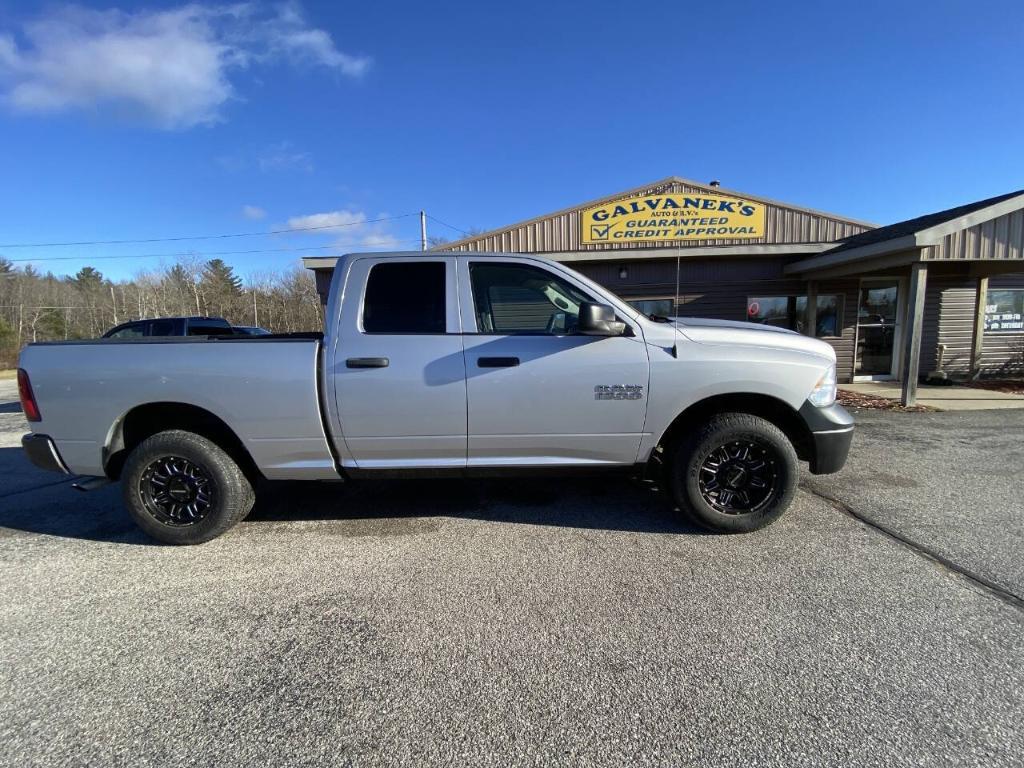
x=405 y=297
x=161 y=328
x=133 y=331
x=517 y=298
x=208 y=328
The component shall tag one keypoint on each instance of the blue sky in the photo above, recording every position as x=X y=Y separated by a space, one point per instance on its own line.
x=162 y=119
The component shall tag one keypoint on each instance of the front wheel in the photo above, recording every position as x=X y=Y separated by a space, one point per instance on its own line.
x=182 y=488
x=735 y=474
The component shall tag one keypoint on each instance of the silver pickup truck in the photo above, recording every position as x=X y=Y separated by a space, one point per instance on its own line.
x=472 y=364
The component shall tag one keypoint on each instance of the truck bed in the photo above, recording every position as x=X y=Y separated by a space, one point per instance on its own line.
x=265 y=388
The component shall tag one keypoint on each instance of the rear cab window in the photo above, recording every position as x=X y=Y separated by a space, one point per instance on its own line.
x=208 y=328
x=405 y=297
x=161 y=328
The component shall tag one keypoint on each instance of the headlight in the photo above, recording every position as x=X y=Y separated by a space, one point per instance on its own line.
x=825 y=390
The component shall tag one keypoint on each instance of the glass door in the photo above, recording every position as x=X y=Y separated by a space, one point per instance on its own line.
x=878 y=329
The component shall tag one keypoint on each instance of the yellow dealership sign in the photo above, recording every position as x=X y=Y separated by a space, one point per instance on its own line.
x=649 y=218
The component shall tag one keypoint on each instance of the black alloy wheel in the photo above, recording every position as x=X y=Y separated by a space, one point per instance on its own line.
x=734 y=473
x=739 y=477
x=183 y=488
x=176 y=491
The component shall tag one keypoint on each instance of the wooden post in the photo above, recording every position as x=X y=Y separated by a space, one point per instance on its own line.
x=978 y=342
x=811 y=310
x=915 y=324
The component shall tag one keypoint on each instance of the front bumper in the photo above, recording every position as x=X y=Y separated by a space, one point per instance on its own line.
x=831 y=431
x=42 y=452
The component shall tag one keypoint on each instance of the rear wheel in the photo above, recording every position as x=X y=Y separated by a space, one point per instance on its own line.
x=735 y=474
x=182 y=488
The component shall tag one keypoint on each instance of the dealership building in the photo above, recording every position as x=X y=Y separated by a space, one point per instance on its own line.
x=939 y=294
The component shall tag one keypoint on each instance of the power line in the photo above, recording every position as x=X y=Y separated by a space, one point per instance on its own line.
x=203 y=253
x=206 y=237
x=445 y=224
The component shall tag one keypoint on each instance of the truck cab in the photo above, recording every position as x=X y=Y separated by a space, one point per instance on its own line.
x=503 y=374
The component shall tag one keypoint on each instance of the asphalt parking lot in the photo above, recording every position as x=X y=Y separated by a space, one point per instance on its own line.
x=529 y=622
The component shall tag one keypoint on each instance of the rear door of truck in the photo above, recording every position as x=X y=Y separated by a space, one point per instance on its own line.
x=399 y=371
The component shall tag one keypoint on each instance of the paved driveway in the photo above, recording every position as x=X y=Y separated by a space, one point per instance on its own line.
x=570 y=622
x=952 y=482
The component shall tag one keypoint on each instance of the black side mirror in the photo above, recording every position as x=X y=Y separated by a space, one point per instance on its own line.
x=599 y=320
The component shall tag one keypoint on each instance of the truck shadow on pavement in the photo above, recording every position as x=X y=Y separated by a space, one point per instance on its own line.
x=42 y=503
x=574 y=502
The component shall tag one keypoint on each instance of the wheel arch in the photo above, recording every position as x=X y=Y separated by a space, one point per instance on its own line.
x=148 y=419
x=772 y=409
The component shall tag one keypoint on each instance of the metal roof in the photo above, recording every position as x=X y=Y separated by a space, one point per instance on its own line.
x=559 y=231
x=920 y=223
x=911 y=236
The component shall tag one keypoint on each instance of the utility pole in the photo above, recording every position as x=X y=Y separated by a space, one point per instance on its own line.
x=423 y=230
x=255 y=309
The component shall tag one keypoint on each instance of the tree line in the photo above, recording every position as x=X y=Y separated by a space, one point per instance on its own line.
x=45 y=307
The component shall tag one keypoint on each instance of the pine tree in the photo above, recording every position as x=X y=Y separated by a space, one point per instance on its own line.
x=88 y=279
x=221 y=287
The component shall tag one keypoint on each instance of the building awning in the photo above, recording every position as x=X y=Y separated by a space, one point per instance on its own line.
x=906 y=242
x=319 y=262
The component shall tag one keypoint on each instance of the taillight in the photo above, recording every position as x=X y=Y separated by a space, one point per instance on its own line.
x=28 y=400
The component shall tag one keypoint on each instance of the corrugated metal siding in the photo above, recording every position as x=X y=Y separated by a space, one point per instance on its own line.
x=561 y=232
x=647 y=278
x=1000 y=239
x=949 y=319
x=845 y=342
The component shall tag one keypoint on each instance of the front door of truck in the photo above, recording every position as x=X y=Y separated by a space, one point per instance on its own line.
x=540 y=395
x=399 y=371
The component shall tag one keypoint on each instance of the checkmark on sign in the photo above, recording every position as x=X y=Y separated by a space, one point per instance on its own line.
x=599 y=233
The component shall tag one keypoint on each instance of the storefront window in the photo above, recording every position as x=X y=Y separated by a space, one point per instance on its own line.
x=1004 y=311
x=790 y=311
x=662 y=307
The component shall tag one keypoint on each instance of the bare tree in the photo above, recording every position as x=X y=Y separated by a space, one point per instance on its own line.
x=38 y=307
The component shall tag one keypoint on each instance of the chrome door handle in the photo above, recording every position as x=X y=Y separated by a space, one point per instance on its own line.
x=367 y=362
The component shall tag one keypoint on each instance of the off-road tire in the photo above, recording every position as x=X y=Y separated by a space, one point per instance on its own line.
x=230 y=491
x=733 y=433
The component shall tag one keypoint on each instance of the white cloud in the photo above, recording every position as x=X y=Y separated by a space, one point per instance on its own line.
x=349 y=228
x=253 y=212
x=379 y=240
x=283 y=157
x=171 y=67
x=294 y=37
x=353 y=219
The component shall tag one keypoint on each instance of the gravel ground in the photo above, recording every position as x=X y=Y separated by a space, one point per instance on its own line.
x=524 y=623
